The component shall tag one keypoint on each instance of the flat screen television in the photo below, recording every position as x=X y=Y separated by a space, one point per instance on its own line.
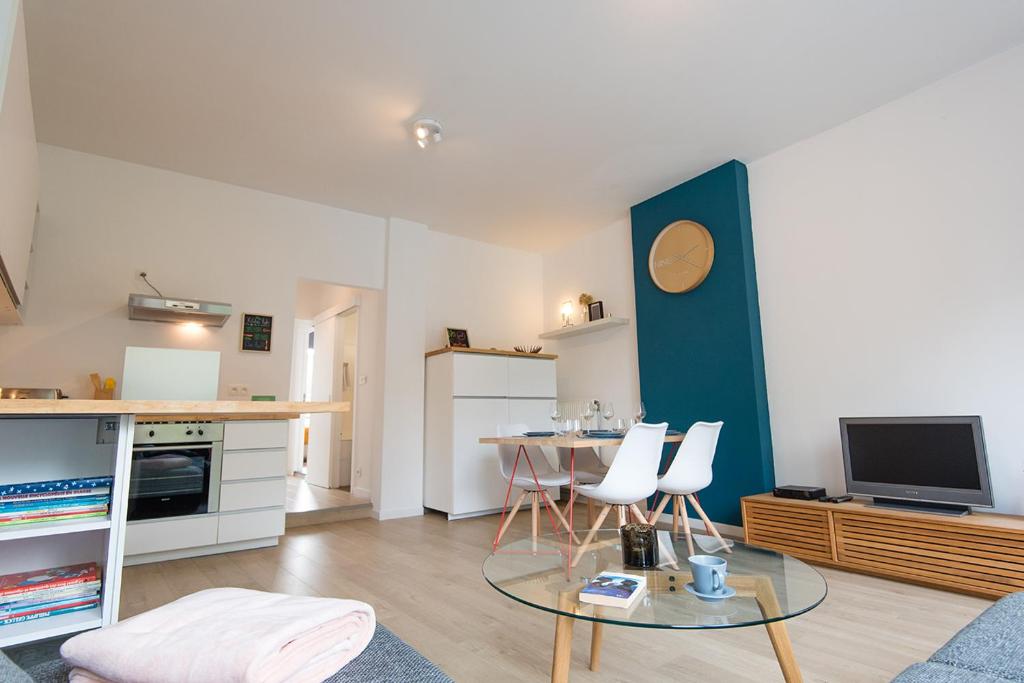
x=933 y=463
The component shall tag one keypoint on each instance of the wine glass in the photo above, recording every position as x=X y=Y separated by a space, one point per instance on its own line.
x=608 y=412
x=556 y=414
x=641 y=413
x=587 y=414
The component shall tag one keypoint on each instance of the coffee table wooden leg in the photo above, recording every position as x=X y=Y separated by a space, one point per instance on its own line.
x=764 y=593
x=563 y=650
x=596 y=638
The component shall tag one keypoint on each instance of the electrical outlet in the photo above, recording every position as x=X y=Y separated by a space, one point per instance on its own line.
x=238 y=391
x=359 y=473
x=362 y=379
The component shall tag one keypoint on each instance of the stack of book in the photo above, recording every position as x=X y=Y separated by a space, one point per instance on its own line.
x=48 y=592
x=51 y=501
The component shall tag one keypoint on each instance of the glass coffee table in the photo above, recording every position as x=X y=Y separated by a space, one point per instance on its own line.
x=770 y=587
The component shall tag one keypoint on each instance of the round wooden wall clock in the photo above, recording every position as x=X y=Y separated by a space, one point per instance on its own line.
x=681 y=257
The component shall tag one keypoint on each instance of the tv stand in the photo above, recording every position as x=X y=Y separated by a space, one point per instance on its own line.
x=981 y=553
x=949 y=509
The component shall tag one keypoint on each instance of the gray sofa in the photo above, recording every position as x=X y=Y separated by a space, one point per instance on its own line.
x=387 y=659
x=990 y=649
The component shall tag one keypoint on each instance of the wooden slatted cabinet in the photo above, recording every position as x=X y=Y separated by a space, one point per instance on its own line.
x=982 y=553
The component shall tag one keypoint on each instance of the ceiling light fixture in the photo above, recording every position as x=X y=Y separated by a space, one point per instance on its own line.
x=427 y=132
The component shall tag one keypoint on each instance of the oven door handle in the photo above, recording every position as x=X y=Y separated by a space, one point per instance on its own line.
x=170 y=447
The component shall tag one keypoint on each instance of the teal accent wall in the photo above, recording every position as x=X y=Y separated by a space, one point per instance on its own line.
x=700 y=353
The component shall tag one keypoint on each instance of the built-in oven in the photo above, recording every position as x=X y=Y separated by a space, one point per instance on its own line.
x=175 y=469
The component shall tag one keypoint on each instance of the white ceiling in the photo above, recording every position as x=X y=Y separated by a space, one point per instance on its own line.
x=558 y=114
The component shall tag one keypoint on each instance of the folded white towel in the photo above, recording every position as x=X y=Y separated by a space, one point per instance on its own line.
x=226 y=635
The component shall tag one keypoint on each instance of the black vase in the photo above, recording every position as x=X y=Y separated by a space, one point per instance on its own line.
x=639 y=546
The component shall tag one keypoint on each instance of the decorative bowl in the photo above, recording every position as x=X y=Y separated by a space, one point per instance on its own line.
x=528 y=349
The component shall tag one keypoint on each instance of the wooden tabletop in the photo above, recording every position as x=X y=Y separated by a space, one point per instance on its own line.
x=254 y=410
x=564 y=441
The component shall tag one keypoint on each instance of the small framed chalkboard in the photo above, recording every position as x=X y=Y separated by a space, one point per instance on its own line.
x=256 y=332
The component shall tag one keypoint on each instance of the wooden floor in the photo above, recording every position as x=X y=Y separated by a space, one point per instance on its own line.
x=422 y=575
x=303 y=497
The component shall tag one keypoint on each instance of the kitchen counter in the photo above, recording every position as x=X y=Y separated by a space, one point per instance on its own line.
x=173 y=410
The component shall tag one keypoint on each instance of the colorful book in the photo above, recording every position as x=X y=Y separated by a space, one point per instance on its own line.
x=55 y=485
x=12 y=602
x=612 y=589
x=40 y=615
x=53 y=503
x=44 y=512
x=51 y=606
x=39 y=579
x=55 y=495
x=53 y=518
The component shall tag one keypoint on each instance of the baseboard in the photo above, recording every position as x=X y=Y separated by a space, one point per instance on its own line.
x=397 y=513
x=199 y=551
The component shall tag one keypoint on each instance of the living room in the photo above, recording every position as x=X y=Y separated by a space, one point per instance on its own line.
x=780 y=217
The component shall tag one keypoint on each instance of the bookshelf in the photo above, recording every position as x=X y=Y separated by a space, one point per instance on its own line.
x=44 y=448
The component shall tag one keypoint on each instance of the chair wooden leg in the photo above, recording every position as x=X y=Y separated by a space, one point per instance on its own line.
x=572 y=501
x=656 y=512
x=511 y=514
x=590 y=512
x=707 y=522
x=534 y=517
x=635 y=509
x=620 y=510
x=590 y=534
x=675 y=517
x=686 y=524
x=558 y=514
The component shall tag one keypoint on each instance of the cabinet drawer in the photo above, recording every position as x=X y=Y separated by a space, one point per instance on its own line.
x=246 y=495
x=479 y=375
x=253 y=464
x=246 y=435
x=171 y=534
x=795 y=530
x=243 y=526
x=532 y=378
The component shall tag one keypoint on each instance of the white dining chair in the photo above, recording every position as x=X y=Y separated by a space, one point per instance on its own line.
x=524 y=479
x=689 y=473
x=632 y=477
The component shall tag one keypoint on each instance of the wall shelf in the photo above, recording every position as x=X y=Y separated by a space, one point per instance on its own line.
x=584 y=328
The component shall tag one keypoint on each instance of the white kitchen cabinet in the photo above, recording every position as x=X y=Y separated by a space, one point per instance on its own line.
x=19 y=162
x=467 y=396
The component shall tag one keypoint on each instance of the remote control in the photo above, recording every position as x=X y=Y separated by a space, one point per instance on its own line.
x=842 y=499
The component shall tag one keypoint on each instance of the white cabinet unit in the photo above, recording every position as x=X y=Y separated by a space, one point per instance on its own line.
x=468 y=394
x=251 y=509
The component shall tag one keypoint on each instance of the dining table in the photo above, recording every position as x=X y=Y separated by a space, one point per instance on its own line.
x=571 y=441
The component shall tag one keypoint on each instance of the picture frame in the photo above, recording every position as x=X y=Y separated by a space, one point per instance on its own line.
x=457 y=339
x=595 y=310
x=256 y=332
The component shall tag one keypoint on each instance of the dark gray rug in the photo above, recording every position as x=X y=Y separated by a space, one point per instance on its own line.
x=387 y=659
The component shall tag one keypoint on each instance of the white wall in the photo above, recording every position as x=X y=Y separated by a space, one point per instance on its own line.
x=19 y=164
x=888 y=255
x=603 y=364
x=493 y=292
x=102 y=221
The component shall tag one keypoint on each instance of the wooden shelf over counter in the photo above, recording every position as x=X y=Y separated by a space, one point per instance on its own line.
x=171 y=410
x=981 y=553
x=491 y=352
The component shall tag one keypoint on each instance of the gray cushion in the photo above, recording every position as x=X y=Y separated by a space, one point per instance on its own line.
x=930 y=672
x=991 y=644
x=389 y=659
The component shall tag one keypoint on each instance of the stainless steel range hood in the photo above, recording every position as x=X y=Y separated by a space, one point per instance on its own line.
x=166 y=310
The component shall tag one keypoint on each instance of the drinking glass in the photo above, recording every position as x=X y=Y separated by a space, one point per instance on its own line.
x=620 y=425
x=556 y=415
x=587 y=414
x=608 y=412
x=641 y=413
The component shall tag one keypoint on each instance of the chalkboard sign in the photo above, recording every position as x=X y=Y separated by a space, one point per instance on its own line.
x=256 y=332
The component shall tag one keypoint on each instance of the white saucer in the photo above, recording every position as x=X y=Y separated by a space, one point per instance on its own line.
x=727 y=593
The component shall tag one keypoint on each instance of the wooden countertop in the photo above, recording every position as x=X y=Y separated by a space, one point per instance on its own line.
x=491 y=352
x=172 y=410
